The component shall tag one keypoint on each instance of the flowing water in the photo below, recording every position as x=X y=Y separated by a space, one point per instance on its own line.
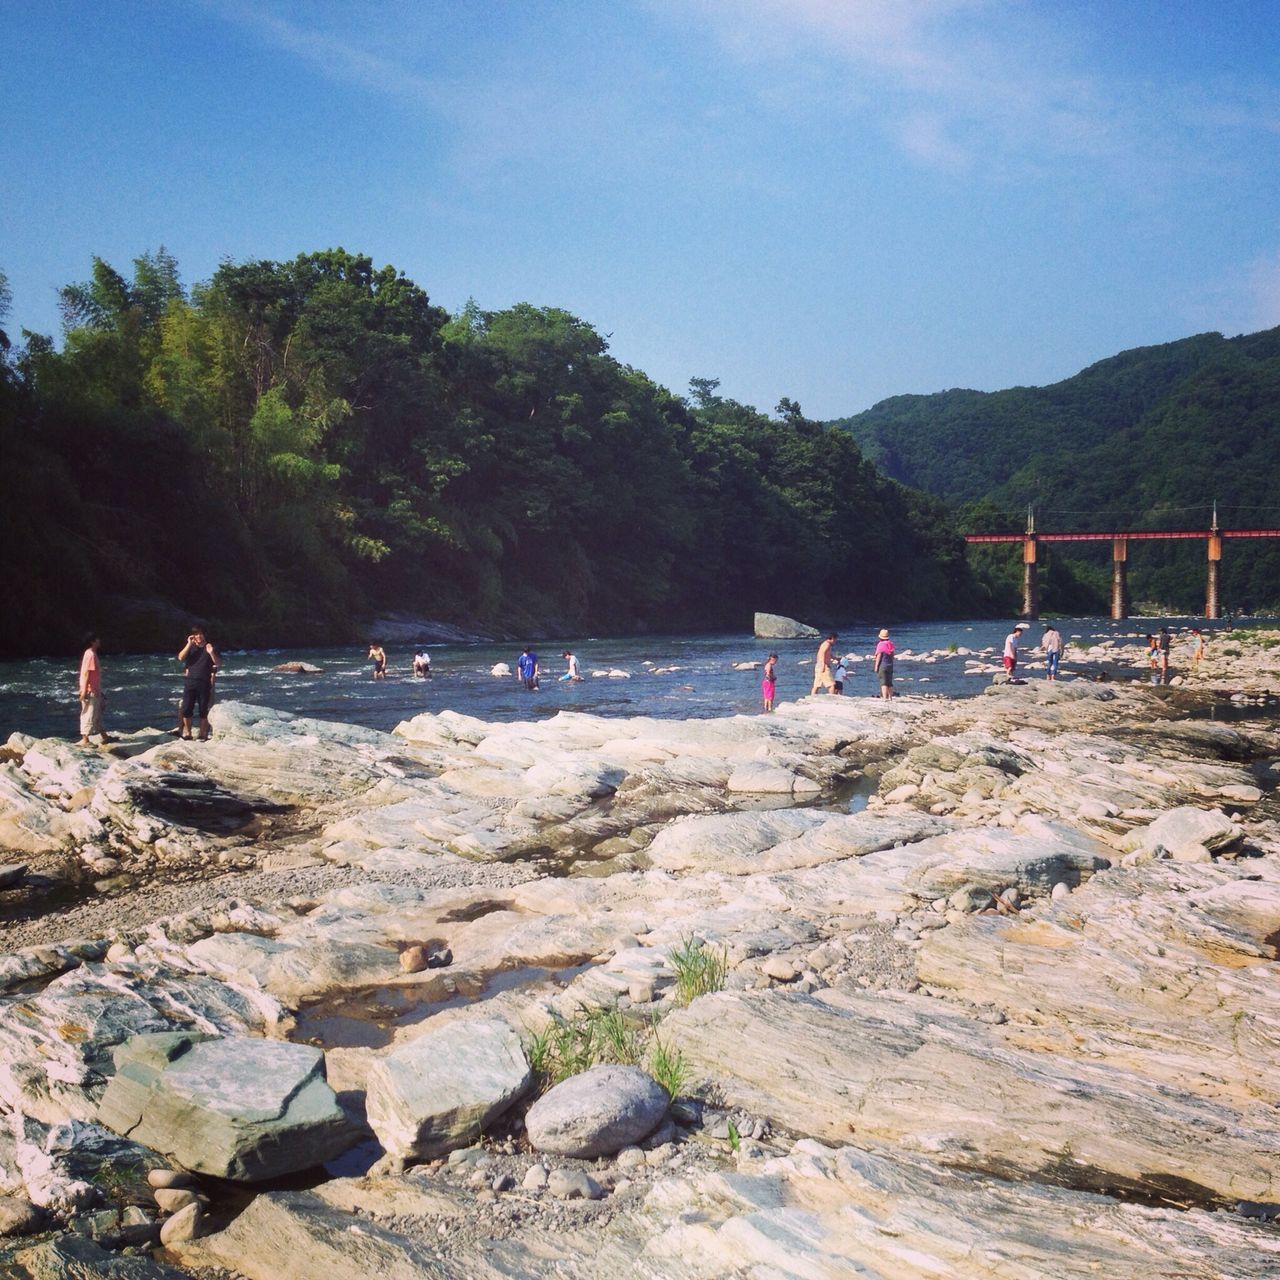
x=670 y=676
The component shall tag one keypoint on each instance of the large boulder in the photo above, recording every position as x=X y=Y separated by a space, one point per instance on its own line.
x=773 y=626
x=233 y=1107
x=597 y=1112
x=439 y=1091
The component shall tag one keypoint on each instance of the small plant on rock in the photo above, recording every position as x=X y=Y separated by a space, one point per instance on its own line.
x=699 y=969
x=668 y=1067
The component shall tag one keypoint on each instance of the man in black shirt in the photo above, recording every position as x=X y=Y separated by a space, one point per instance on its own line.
x=201 y=661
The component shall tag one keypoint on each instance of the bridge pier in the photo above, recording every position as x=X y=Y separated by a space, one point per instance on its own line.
x=1120 y=577
x=1030 y=579
x=1212 y=599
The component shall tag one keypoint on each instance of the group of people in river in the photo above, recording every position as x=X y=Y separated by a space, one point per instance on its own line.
x=201 y=663
x=829 y=669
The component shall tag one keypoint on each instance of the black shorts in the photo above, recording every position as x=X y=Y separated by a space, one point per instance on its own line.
x=194 y=695
x=886 y=675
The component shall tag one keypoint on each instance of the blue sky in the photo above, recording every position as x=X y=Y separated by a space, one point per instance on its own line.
x=832 y=200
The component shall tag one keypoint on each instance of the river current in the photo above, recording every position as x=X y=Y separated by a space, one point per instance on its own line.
x=669 y=676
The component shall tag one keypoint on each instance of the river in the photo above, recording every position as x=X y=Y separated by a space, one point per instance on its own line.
x=38 y=696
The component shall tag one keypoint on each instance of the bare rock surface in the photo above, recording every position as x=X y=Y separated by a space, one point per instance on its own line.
x=1018 y=1016
x=899 y=1071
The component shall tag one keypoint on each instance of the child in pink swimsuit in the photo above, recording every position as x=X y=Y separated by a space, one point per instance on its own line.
x=769 y=685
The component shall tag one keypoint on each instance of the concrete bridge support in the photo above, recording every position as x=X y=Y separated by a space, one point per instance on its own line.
x=1120 y=577
x=1030 y=579
x=1212 y=598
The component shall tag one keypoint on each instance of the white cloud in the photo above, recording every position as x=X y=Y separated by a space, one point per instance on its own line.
x=337 y=58
x=957 y=83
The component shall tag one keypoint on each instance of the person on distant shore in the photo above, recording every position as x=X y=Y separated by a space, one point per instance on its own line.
x=769 y=681
x=378 y=656
x=1197 y=654
x=1051 y=642
x=1164 y=642
x=883 y=663
x=571 y=673
x=200 y=659
x=527 y=669
x=422 y=664
x=1010 y=656
x=91 y=693
x=822 y=677
x=1153 y=657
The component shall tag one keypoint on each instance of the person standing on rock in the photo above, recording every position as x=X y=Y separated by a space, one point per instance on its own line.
x=91 y=693
x=769 y=681
x=1010 y=657
x=1197 y=654
x=1052 y=644
x=822 y=677
x=1165 y=640
x=883 y=663
x=200 y=659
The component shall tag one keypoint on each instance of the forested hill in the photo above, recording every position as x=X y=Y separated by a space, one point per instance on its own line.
x=292 y=447
x=1166 y=424
x=1149 y=438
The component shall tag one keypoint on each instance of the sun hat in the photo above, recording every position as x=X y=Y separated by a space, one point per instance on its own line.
x=1022 y=626
x=884 y=633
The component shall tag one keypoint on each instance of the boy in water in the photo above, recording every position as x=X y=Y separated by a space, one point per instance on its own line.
x=822 y=677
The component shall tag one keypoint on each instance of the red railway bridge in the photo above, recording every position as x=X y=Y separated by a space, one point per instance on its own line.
x=1213 y=537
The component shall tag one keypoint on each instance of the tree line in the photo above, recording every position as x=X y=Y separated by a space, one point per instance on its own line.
x=291 y=447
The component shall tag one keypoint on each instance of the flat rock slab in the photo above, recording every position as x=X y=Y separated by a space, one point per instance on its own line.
x=840 y=1213
x=439 y=1091
x=905 y=1071
x=597 y=1112
x=296 y=1235
x=74 y=1257
x=236 y=1107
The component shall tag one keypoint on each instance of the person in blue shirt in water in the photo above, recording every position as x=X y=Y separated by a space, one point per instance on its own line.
x=527 y=668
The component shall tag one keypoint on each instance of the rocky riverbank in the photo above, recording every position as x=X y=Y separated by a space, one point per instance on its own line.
x=940 y=988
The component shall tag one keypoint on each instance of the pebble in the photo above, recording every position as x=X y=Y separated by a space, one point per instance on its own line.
x=779 y=969
x=1061 y=890
x=169 y=1178
x=574 y=1184
x=660 y=1155
x=630 y=1157
x=413 y=959
x=504 y=1182
x=535 y=1179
